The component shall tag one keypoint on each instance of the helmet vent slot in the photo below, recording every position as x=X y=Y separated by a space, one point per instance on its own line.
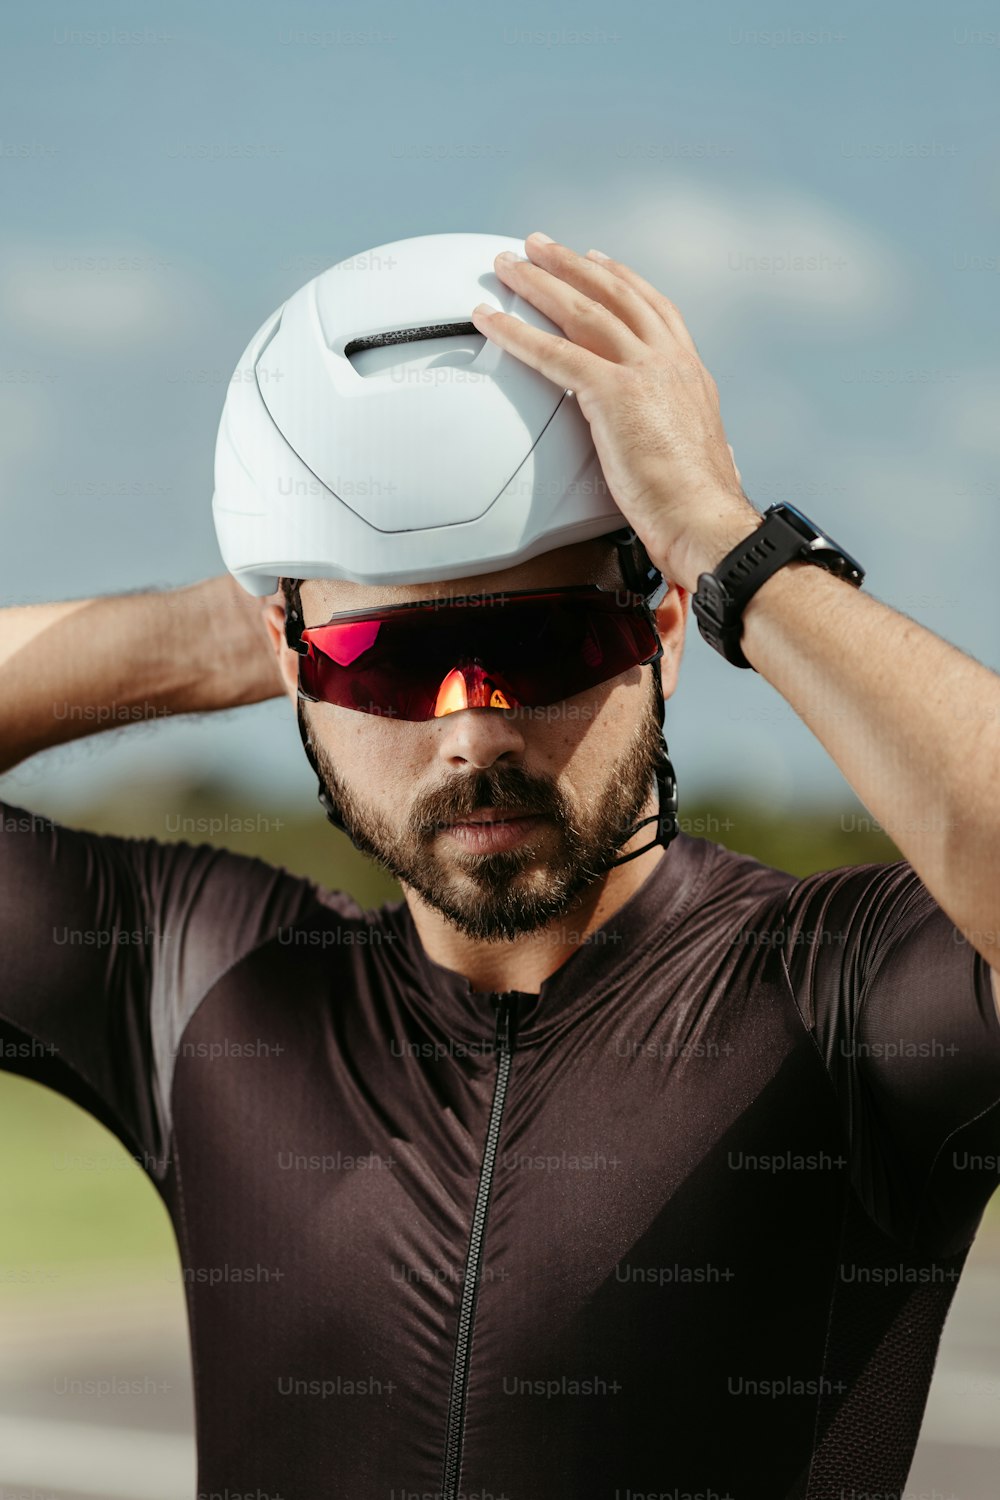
x=443 y=344
x=409 y=336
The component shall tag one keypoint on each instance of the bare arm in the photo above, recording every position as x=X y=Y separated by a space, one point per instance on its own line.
x=909 y=719
x=72 y=669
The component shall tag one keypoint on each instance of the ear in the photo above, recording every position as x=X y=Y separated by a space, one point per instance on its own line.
x=671 y=622
x=288 y=661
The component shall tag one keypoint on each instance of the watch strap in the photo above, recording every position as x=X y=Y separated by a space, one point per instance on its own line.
x=722 y=595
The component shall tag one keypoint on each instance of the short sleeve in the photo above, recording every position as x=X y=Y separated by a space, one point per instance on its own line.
x=902 y=1009
x=107 y=946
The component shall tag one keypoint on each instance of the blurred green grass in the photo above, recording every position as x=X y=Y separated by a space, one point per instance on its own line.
x=73 y=1198
x=817 y=838
x=75 y=1205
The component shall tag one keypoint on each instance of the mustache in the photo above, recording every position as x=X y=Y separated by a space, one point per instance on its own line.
x=504 y=790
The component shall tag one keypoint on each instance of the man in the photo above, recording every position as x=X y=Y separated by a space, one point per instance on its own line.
x=596 y=1167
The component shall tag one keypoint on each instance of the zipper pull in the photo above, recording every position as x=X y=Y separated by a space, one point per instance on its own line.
x=505 y=1036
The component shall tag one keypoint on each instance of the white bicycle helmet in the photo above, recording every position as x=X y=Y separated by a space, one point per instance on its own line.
x=371 y=433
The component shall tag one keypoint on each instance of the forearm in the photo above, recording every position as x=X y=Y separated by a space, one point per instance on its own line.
x=72 y=669
x=912 y=722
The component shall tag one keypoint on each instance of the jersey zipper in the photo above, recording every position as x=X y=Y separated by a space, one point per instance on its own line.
x=505 y=1040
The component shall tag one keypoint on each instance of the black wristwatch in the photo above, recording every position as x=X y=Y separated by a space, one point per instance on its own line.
x=785 y=536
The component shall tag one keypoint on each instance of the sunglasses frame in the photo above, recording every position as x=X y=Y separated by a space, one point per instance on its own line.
x=626 y=601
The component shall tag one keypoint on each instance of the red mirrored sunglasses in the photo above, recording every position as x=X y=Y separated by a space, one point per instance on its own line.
x=519 y=649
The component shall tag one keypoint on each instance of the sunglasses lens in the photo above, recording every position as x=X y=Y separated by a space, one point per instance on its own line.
x=423 y=663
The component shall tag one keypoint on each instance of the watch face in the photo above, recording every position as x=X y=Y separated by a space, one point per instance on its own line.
x=798 y=513
x=821 y=545
x=798 y=520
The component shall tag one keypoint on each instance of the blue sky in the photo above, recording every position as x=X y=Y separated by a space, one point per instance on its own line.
x=171 y=174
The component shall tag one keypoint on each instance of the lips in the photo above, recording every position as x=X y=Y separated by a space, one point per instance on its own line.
x=494 y=815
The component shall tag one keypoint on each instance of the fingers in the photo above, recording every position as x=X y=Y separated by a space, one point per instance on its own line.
x=568 y=303
x=588 y=307
x=608 y=312
x=559 y=360
x=665 y=309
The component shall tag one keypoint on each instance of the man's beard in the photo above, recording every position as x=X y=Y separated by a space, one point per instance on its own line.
x=499 y=895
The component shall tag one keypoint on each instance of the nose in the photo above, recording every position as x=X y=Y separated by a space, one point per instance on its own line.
x=471 y=686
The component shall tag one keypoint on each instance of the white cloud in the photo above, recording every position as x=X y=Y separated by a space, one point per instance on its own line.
x=727 y=255
x=903 y=494
x=966 y=412
x=27 y=410
x=27 y=423
x=96 y=297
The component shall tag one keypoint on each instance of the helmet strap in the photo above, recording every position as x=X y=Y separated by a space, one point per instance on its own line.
x=666 y=819
x=293 y=638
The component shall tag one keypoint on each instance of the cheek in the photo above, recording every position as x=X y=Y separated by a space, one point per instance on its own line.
x=583 y=734
x=360 y=742
x=380 y=759
x=611 y=711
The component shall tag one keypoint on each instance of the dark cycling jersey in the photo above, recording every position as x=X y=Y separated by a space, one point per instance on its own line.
x=686 y=1222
